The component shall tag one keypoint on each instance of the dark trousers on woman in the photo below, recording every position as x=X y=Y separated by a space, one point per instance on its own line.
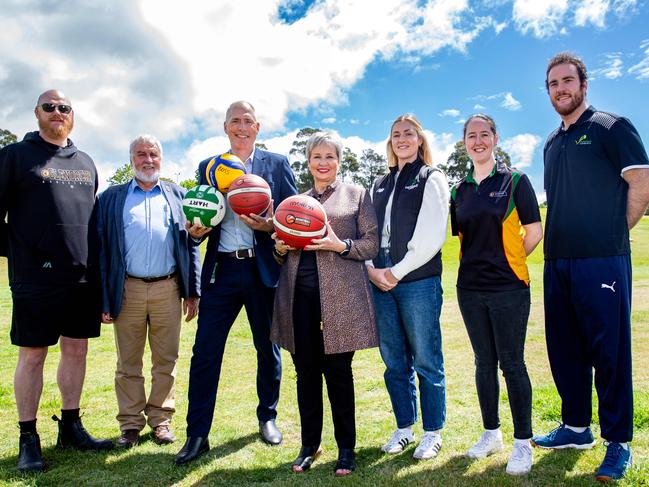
x=497 y=324
x=311 y=364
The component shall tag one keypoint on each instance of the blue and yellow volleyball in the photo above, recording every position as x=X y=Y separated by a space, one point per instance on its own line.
x=222 y=170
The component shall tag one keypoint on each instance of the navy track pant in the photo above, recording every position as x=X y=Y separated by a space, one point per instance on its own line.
x=588 y=326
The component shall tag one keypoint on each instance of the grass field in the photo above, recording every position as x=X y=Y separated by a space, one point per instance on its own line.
x=239 y=458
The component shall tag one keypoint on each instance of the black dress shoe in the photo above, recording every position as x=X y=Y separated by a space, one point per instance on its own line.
x=269 y=432
x=194 y=447
x=30 y=457
x=306 y=457
x=72 y=434
x=346 y=461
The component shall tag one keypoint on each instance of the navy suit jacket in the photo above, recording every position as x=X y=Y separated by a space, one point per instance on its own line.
x=110 y=226
x=274 y=168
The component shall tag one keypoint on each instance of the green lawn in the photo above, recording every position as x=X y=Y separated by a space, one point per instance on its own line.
x=239 y=458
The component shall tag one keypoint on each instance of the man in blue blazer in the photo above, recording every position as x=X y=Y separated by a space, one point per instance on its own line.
x=148 y=265
x=238 y=270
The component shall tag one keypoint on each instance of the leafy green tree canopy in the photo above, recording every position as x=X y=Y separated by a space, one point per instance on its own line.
x=6 y=138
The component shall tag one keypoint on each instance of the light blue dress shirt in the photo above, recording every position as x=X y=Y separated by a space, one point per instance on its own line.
x=235 y=234
x=148 y=241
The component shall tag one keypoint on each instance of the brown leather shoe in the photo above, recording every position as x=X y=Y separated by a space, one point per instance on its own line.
x=162 y=435
x=128 y=439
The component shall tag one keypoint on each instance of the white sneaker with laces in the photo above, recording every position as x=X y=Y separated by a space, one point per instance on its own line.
x=400 y=439
x=431 y=444
x=488 y=444
x=520 y=462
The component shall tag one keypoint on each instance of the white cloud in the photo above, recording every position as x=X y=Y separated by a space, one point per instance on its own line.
x=510 y=103
x=449 y=112
x=543 y=19
x=613 y=67
x=329 y=120
x=521 y=148
x=507 y=101
x=625 y=8
x=641 y=69
x=592 y=11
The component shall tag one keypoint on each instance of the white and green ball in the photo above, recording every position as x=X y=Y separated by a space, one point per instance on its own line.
x=204 y=205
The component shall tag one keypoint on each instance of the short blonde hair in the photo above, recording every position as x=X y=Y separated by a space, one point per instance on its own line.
x=424 y=149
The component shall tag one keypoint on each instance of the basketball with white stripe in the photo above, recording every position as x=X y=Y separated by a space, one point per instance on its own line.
x=299 y=219
x=204 y=205
x=249 y=194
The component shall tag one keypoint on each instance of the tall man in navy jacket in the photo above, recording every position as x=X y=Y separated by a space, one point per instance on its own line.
x=238 y=270
x=148 y=264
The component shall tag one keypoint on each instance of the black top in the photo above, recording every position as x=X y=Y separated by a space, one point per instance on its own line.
x=586 y=193
x=48 y=193
x=488 y=219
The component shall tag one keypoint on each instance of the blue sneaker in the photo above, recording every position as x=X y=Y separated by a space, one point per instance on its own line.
x=616 y=461
x=562 y=437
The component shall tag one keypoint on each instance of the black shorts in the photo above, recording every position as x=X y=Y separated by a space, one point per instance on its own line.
x=44 y=312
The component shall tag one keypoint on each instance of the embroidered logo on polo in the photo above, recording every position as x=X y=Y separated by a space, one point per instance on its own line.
x=583 y=140
x=67 y=175
x=497 y=194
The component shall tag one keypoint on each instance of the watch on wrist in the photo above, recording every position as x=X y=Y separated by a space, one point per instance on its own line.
x=348 y=247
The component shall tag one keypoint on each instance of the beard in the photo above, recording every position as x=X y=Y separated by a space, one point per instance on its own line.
x=56 y=131
x=576 y=100
x=147 y=178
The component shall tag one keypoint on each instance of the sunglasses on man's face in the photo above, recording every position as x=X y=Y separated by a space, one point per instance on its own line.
x=50 y=107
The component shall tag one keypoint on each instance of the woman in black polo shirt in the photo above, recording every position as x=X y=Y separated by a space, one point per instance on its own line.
x=495 y=213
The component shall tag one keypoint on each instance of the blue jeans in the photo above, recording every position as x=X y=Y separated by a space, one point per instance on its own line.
x=407 y=319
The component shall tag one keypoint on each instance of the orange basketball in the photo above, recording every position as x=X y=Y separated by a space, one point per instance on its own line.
x=299 y=219
x=248 y=194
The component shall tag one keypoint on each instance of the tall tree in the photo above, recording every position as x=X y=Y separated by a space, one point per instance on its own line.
x=458 y=163
x=6 y=138
x=372 y=165
x=121 y=175
x=300 y=166
x=349 y=165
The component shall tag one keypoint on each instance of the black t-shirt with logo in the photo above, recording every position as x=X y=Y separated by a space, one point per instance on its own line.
x=488 y=218
x=586 y=194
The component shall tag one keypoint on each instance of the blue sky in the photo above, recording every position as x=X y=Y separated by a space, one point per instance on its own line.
x=352 y=66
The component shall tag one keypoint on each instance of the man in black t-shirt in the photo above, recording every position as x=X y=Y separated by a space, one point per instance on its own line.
x=47 y=191
x=597 y=186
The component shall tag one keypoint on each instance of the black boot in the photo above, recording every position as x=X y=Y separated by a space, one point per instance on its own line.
x=30 y=457
x=72 y=434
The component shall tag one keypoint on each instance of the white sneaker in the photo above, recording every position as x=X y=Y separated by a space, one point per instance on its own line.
x=488 y=444
x=431 y=443
x=520 y=462
x=400 y=439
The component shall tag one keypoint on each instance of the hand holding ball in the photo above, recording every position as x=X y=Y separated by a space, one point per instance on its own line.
x=300 y=219
x=204 y=205
x=249 y=194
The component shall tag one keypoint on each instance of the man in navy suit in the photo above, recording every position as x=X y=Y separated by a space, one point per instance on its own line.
x=238 y=270
x=150 y=273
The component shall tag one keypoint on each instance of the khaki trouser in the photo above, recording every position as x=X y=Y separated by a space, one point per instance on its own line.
x=152 y=309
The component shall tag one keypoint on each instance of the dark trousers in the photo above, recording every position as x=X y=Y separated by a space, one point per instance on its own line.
x=588 y=325
x=237 y=284
x=497 y=324
x=311 y=364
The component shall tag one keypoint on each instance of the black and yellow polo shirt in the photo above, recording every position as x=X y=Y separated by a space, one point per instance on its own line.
x=488 y=217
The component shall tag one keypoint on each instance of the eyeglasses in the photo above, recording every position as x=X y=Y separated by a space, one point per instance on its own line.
x=50 y=107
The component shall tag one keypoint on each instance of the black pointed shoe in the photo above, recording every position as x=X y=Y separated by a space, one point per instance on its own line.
x=30 y=457
x=194 y=447
x=72 y=434
x=270 y=433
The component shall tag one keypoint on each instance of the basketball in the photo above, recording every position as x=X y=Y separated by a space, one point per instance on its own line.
x=204 y=205
x=299 y=219
x=222 y=170
x=249 y=194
